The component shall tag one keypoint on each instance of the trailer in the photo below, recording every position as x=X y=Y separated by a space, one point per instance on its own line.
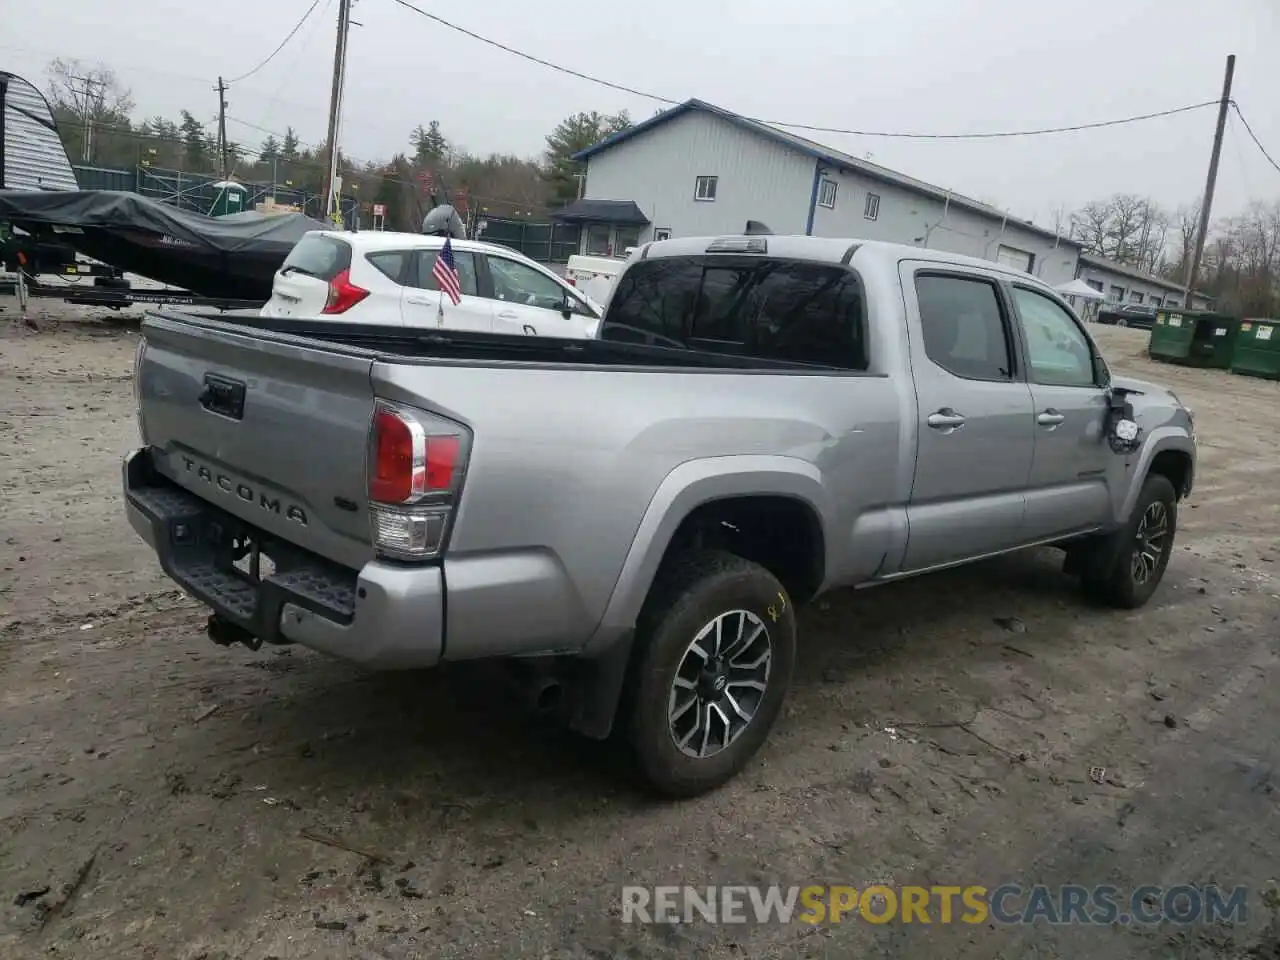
x=113 y=293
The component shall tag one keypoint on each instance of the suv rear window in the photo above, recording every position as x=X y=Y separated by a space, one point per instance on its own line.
x=787 y=310
x=318 y=256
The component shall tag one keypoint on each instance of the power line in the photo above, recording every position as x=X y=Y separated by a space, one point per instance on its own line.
x=801 y=126
x=1253 y=136
x=538 y=60
x=288 y=36
x=1094 y=125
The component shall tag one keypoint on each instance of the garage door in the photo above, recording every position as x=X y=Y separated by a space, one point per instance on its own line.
x=1013 y=257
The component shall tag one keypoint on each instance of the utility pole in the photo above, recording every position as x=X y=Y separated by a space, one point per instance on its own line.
x=87 y=91
x=1202 y=229
x=335 y=106
x=221 y=90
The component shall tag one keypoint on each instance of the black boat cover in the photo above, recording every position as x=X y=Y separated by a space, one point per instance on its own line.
x=235 y=256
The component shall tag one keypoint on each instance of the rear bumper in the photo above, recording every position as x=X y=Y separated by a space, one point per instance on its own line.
x=386 y=616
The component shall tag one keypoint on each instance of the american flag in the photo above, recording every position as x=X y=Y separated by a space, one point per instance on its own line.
x=445 y=273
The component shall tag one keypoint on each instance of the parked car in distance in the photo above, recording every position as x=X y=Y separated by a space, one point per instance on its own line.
x=385 y=278
x=1138 y=315
x=632 y=520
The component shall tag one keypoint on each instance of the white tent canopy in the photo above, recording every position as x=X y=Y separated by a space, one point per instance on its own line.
x=1078 y=288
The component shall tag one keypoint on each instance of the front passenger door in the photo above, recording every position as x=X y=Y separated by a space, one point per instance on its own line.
x=1069 y=489
x=974 y=435
x=529 y=302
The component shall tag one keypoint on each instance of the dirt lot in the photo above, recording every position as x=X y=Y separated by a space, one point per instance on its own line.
x=169 y=793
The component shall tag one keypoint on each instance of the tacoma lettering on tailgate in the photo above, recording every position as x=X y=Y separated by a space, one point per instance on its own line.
x=235 y=487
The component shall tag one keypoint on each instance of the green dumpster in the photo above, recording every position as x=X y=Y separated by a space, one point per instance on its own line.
x=1194 y=338
x=1214 y=344
x=1258 y=349
x=1171 y=336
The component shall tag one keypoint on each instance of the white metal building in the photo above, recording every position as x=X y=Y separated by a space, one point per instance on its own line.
x=697 y=169
x=31 y=152
x=1123 y=284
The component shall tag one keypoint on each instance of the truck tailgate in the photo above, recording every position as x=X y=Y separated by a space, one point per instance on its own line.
x=273 y=432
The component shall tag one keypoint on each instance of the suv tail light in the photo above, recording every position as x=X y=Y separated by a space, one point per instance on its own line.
x=343 y=294
x=415 y=469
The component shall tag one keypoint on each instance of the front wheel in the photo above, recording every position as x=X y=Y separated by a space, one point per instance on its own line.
x=718 y=635
x=1126 y=569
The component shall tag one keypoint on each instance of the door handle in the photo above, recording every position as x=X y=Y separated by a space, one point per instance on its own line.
x=945 y=419
x=508 y=315
x=423 y=301
x=1050 y=418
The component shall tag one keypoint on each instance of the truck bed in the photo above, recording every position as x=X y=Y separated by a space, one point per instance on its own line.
x=572 y=442
x=401 y=343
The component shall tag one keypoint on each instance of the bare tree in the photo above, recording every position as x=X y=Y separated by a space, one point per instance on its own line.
x=1126 y=228
x=104 y=96
x=1186 y=220
x=1242 y=262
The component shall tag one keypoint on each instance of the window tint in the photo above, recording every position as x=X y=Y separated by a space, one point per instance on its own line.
x=517 y=283
x=318 y=256
x=1057 y=349
x=464 y=260
x=964 y=330
x=798 y=312
x=652 y=303
x=390 y=263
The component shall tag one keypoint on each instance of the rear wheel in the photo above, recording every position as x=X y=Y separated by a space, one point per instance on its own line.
x=718 y=635
x=1125 y=569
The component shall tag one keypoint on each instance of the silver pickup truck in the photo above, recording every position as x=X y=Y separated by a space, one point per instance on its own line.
x=632 y=521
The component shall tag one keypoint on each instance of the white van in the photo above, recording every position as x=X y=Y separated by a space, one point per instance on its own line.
x=595 y=276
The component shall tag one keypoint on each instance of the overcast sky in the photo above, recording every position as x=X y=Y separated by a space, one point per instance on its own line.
x=938 y=66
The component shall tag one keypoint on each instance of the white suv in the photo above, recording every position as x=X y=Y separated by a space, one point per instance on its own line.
x=385 y=278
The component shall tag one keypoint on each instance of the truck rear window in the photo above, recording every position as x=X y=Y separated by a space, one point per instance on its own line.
x=788 y=310
x=318 y=256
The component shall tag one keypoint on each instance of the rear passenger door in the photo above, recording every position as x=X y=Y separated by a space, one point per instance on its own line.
x=976 y=428
x=422 y=303
x=1068 y=491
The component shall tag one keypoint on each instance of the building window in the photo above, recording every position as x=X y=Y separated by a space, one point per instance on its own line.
x=624 y=237
x=872 y=208
x=1155 y=301
x=704 y=188
x=1117 y=294
x=1135 y=297
x=598 y=240
x=661 y=233
x=827 y=194
x=1096 y=284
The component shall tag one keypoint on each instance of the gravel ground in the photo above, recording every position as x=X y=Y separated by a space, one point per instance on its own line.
x=179 y=800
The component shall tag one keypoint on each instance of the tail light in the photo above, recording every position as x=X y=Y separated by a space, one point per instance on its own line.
x=343 y=294
x=138 y=354
x=573 y=281
x=415 y=470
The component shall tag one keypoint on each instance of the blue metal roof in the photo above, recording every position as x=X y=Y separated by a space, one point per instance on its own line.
x=822 y=154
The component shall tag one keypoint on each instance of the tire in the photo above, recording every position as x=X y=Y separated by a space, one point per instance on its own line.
x=691 y=593
x=1116 y=573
